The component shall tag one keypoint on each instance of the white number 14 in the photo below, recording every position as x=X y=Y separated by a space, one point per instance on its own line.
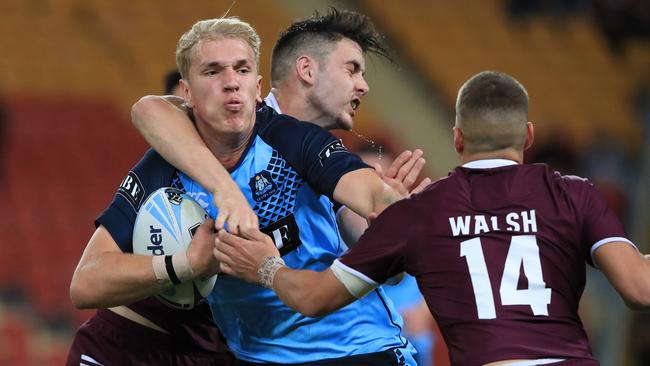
x=523 y=251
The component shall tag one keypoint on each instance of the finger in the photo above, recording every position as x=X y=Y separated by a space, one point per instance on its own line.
x=408 y=165
x=254 y=234
x=412 y=175
x=425 y=182
x=230 y=239
x=219 y=222
x=397 y=163
x=225 y=268
x=250 y=222
x=378 y=169
x=224 y=249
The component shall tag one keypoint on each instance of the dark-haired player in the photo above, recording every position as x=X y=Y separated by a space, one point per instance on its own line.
x=498 y=247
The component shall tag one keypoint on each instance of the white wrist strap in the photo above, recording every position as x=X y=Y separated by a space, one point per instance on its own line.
x=172 y=269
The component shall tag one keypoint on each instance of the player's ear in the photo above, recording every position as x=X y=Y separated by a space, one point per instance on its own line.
x=530 y=135
x=185 y=93
x=306 y=69
x=459 y=143
x=258 y=97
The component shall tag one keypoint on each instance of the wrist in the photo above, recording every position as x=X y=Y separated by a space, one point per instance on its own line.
x=171 y=270
x=267 y=270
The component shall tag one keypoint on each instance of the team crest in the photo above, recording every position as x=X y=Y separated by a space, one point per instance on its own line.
x=262 y=186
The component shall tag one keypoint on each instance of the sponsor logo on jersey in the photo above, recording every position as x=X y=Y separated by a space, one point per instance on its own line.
x=285 y=234
x=132 y=189
x=262 y=186
x=332 y=148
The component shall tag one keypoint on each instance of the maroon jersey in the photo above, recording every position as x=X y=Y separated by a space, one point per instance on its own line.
x=499 y=255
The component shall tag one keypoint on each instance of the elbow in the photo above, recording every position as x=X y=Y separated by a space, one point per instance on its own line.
x=638 y=301
x=82 y=296
x=142 y=108
x=314 y=306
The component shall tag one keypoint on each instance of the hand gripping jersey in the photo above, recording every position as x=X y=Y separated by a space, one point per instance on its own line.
x=499 y=255
x=288 y=174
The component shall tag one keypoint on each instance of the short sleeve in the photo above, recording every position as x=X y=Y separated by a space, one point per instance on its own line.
x=319 y=157
x=382 y=250
x=600 y=223
x=149 y=174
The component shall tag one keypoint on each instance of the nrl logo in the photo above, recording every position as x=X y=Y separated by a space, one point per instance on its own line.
x=262 y=186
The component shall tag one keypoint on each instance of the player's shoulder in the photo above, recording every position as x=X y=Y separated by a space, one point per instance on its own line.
x=149 y=174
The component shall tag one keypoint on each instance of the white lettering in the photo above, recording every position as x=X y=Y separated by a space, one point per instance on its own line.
x=126 y=184
x=461 y=226
x=480 y=225
x=529 y=223
x=495 y=224
x=511 y=220
x=280 y=236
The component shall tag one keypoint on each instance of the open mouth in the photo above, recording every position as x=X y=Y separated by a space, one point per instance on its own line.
x=355 y=104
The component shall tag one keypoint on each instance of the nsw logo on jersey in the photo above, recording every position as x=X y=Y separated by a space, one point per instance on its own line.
x=131 y=188
x=262 y=186
x=332 y=148
x=285 y=234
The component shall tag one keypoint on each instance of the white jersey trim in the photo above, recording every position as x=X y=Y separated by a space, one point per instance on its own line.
x=539 y=361
x=357 y=284
x=602 y=242
x=489 y=163
x=272 y=102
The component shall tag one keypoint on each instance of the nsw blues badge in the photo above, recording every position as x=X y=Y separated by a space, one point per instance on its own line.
x=262 y=186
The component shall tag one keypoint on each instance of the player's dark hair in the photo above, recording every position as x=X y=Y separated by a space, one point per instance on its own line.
x=317 y=35
x=171 y=80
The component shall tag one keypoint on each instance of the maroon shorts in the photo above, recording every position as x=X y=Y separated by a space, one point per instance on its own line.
x=109 y=339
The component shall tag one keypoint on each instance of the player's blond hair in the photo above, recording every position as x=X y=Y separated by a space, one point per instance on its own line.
x=214 y=29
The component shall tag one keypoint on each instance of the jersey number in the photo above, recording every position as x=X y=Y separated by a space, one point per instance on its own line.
x=523 y=251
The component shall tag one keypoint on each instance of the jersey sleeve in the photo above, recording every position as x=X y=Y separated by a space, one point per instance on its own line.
x=382 y=251
x=600 y=223
x=149 y=174
x=318 y=156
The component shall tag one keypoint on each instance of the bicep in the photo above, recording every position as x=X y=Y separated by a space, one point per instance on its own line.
x=626 y=269
x=101 y=242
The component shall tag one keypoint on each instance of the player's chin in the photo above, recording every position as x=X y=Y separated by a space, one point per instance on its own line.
x=345 y=122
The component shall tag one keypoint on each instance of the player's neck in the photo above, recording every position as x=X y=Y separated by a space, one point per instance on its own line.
x=227 y=148
x=294 y=102
x=507 y=154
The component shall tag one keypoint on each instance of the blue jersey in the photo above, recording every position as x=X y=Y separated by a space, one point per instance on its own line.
x=288 y=174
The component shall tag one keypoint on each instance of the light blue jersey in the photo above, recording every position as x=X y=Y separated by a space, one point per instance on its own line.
x=288 y=175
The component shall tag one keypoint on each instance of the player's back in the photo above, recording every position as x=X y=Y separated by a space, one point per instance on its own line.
x=500 y=257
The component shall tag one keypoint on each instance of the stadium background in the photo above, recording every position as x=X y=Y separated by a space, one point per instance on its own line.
x=71 y=69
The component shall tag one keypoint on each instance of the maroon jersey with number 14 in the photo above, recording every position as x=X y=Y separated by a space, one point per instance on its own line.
x=498 y=250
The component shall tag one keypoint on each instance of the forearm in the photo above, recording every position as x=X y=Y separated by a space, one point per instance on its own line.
x=364 y=192
x=98 y=284
x=309 y=292
x=165 y=125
